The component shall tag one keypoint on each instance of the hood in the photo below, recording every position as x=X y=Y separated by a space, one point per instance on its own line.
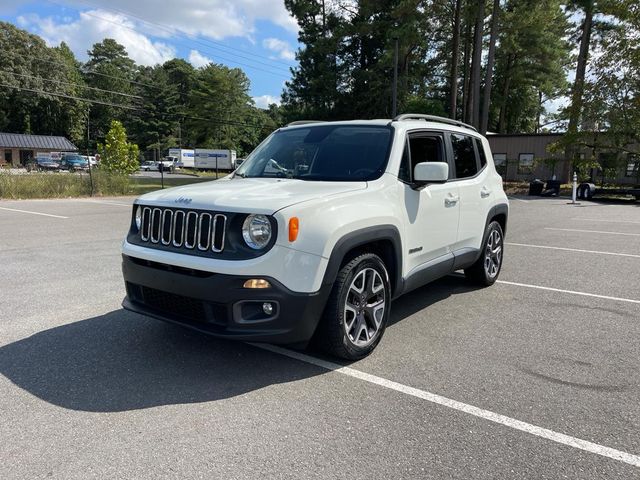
x=254 y=195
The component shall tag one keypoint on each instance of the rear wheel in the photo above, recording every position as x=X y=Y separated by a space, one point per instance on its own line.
x=487 y=268
x=358 y=309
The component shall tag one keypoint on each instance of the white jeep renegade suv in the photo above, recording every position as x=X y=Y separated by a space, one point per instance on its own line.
x=319 y=229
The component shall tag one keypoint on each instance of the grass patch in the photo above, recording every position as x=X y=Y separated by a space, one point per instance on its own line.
x=64 y=185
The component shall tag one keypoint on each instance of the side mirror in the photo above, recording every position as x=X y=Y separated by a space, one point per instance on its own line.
x=431 y=172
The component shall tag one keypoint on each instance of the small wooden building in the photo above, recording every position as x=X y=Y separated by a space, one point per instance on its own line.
x=17 y=149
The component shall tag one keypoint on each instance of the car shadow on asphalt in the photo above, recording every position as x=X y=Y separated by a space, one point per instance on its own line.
x=122 y=361
x=423 y=297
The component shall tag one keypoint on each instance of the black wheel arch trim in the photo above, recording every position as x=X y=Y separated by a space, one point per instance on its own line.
x=499 y=209
x=359 y=238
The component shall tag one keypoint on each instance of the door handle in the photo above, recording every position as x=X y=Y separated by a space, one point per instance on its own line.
x=485 y=192
x=450 y=201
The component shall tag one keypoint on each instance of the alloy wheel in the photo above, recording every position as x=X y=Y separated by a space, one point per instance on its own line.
x=493 y=254
x=364 y=307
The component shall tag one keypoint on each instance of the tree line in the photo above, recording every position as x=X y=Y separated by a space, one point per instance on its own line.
x=46 y=90
x=500 y=65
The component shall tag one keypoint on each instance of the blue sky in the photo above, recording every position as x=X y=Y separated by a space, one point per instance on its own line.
x=258 y=36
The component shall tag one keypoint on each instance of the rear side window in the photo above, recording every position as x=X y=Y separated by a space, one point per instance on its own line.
x=464 y=155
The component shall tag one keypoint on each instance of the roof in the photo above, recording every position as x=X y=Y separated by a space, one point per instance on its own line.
x=540 y=134
x=409 y=124
x=44 y=142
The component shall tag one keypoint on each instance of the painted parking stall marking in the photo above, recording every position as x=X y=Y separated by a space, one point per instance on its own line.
x=509 y=422
x=631 y=255
x=604 y=220
x=572 y=292
x=32 y=213
x=592 y=231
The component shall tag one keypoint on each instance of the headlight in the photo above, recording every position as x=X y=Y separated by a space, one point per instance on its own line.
x=256 y=231
x=138 y=217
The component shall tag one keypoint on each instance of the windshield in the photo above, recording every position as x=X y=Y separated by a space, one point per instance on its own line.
x=321 y=152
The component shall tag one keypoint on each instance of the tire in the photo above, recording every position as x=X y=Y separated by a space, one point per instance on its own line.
x=350 y=327
x=486 y=269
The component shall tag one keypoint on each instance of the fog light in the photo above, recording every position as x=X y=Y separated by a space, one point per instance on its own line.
x=267 y=308
x=257 y=283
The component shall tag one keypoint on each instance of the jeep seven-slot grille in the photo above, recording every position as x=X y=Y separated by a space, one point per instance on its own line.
x=183 y=228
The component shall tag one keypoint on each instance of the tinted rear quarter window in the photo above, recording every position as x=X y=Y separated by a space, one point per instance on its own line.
x=481 y=152
x=464 y=155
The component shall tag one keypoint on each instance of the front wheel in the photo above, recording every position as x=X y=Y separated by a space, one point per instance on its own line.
x=357 y=310
x=487 y=268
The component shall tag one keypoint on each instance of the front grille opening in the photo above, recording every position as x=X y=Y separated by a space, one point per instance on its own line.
x=178 y=228
x=178 y=306
x=167 y=217
x=204 y=231
x=146 y=223
x=219 y=225
x=156 y=218
x=191 y=230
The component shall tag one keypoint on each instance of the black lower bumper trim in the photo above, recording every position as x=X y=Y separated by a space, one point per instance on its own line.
x=217 y=304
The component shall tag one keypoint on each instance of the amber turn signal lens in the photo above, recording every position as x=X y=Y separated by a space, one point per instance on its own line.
x=257 y=283
x=294 y=227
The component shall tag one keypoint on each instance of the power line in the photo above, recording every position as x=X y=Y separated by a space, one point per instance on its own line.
x=279 y=75
x=70 y=83
x=205 y=42
x=72 y=97
x=92 y=72
x=192 y=117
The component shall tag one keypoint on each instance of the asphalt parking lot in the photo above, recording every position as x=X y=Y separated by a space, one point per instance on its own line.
x=536 y=377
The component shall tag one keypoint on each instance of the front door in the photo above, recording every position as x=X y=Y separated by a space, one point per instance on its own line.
x=431 y=212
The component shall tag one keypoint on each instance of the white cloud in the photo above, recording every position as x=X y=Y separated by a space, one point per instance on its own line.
x=95 y=25
x=198 y=60
x=263 y=101
x=215 y=19
x=282 y=48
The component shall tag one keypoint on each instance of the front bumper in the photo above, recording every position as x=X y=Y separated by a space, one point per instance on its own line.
x=217 y=304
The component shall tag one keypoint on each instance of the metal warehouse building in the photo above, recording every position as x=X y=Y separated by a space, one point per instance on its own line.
x=16 y=149
x=526 y=156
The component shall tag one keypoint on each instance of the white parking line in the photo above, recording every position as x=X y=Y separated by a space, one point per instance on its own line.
x=592 y=231
x=583 y=294
x=104 y=202
x=603 y=220
x=32 y=213
x=573 y=250
x=557 y=437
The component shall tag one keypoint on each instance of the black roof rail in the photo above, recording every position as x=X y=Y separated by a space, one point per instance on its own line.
x=304 y=122
x=433 y=118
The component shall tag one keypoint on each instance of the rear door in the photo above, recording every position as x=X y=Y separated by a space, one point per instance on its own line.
x=472 y=179
x=431 y=212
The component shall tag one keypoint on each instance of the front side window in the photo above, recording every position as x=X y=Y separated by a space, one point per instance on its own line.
x=322 y=153
x=420 y=148
x=464 y=155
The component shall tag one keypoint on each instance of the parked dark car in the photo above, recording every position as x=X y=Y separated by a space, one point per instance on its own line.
x=47 y=164
x=73 y=163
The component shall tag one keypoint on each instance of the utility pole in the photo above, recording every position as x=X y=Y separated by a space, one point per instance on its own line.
x=88 y=154
x=394 y=106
